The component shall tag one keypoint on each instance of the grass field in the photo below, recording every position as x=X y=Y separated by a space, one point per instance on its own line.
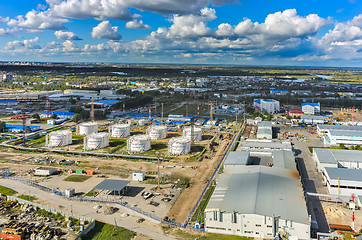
x=7 y=191
x=208 y=236
x=27 y=198
x=77 y=178
x=103 y=231
x=199 y=213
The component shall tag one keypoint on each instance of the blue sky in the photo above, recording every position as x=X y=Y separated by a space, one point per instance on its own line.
x=238 y=32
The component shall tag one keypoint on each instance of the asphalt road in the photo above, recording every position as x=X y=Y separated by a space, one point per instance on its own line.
x=149 y=227
x=312 y=180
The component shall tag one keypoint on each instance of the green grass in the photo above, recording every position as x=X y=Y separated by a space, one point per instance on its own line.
x=91 y=193
x=199 y=213
x=27 y=197
x=208 y=236
x=77 y=178
x=177 y=179
x=7 y=191
x=103 y=231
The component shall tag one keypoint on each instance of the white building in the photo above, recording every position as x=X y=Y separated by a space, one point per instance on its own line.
x=334 y=135
x=340 y=167
x=343 y=181
x=263 y=147
x=265 y=130
x=258 y=201
x=237 y=158
x=138 y=176
x=311 y=119
x=267 y=105
x=311 y=108
x=43 y=171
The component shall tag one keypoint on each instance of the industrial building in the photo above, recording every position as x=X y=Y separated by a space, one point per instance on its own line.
x=60 y=115
x=20 y=128
x=267 y=105
x=237 y=158
x=311 y=119
x=265 y=130
x=103 y=103
x=311 y=108
x=9 y=102
x=258 y=201
x=343 y=181
x=263 y=147
x=284 y=159
x=337 y=158
x=341 y=168
x=334 y=135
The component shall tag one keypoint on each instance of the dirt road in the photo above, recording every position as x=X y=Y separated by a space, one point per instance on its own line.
x=190 y=195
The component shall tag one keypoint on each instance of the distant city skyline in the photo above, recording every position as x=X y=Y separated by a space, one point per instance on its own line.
x=236 y=32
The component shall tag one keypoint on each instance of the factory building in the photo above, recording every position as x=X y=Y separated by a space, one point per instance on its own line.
x=103 y=103
x=311 y=108
x=311 y=119
x=60 y=115
x=263 y=147
x=267 y=105
x=334 y=135
x=237 y=159
x=343 y=181
x=265 y=130
x=20 y=128
x=9 y=102
x=258 y=201
x=340 y=167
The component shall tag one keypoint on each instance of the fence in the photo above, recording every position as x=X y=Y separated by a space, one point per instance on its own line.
x=62 y=212
x=212 y=177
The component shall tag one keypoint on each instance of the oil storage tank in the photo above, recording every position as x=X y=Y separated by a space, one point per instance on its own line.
x=139 y=143
x=157 y=132
x=120 y=130
x=96 y=141
x=179 y=145
x=59 y=138
x=87 y=128
x=197 y=133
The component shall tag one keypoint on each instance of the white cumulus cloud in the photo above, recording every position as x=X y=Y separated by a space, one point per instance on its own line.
x=25 y=44
x=66 y=35
x=134 y=24
x=39 y=20
x=104 y=30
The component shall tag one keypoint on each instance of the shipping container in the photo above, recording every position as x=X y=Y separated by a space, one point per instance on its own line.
x=89 y=172
x=79 y=171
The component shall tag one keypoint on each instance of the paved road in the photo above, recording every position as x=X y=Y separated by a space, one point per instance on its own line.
x=149 y=227
x=312 y=180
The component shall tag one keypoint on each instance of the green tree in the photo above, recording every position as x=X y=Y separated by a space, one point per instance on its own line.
x=76 y=118
x=36 y=116
x=342 y=146
x=72 y=101
x=2 y=126
x=28 y=129
x=54 y=116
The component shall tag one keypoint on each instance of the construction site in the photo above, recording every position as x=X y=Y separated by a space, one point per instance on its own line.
x=177 y=155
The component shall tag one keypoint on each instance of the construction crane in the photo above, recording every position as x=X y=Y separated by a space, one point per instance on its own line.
x=211 y=110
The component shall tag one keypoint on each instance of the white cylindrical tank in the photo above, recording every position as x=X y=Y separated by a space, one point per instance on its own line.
x=59 y=138
x=139 y=143
x=96 y=141
x=87 y=128
x=157 y=132
x=197 y=133
x=179 y=145
x=121 y=130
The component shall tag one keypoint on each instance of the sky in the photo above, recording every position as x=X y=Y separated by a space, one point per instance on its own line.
x=237 y=32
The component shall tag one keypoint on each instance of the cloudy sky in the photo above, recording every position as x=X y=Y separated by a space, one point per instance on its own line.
x=240 y=32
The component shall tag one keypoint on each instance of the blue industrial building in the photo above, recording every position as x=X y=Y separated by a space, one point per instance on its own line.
x=104 y=103
x=9 y=102
x=61 y=115
x=19 y=128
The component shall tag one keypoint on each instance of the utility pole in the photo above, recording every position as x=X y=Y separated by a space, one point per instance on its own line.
x=162 y=112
